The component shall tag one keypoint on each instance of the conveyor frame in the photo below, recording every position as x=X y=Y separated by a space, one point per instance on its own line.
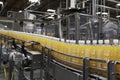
x=111 y=73
x=85 y=74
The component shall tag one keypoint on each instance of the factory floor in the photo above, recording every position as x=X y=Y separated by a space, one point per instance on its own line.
x=2 y=76
x=26 y=74
x=1 y=73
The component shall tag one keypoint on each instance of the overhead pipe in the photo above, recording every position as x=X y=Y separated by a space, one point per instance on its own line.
x=1 y=4
x=3 y=7
x=32 y=5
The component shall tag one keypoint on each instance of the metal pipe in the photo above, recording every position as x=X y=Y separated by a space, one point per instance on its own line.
x=31 y=5
x=94 y=7
x=77 y=24
x=67 y=4
x=60 y=29
x=59 y=24
x=107 y=7
x=114 y=1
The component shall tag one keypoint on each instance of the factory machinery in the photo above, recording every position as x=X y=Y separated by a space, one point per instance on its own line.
x=84 y=47
x=58 y=60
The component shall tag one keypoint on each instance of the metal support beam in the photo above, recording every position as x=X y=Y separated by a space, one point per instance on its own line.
x=86 y=69
x=0 y=52
x=111 y=70
x=77 y=24
x=91 y=32
x=60 y=30
x=20 y=71
x=13 y=19
x=67 y=4
x=68 y=28
x=59 y=24
x=42 y=64
x=47 y=70
x=94 y=8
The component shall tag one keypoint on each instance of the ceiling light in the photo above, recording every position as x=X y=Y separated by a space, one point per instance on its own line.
x=118 y=4
x=20 y=11
x=118 y=16
x=1 y=2
x=98 y=13
x=51 y=10
x=5 y=26
x=51 y=17
x=32 y=1
x=105 y=13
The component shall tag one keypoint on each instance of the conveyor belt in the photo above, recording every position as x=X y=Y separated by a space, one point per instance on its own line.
x=90 y=51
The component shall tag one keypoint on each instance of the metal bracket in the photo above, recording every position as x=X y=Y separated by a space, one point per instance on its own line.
x=47 y=75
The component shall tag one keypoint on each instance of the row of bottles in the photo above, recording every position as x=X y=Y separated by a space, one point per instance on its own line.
x=91 y=51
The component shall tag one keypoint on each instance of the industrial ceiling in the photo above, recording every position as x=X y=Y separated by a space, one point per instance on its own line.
x=16 y=5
